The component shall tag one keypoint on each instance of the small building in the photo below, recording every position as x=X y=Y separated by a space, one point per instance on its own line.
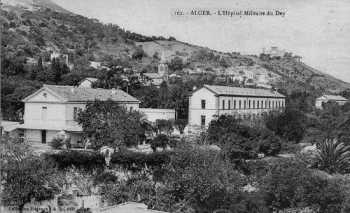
x=53 y=109
x=87 y=82
x=274 y=52
x=153 y=79
x=9 y=128
x=211 y=101
x=158 y=114
x=326 y=98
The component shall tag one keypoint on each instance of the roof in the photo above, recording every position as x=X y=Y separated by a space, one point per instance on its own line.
x=152 y=75
x=239 y=91
x=9 y=126
x=333 y=97
x=77 y=94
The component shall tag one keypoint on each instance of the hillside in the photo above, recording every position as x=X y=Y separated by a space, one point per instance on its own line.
x=36 y=30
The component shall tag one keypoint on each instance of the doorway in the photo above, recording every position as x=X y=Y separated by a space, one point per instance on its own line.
x=43 y=136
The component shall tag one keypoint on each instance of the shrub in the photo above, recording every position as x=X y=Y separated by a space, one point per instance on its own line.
x=105 y=177
x=79 y=159
x=160 y=141
x=270 y=144
x=333 y=156
x=56 y=143
x=130 y=159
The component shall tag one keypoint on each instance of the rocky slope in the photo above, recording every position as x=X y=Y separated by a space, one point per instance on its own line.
x=36 y=28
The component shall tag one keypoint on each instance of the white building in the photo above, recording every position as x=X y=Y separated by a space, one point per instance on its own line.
x=54 y=108
x=326 y=98
x=211 y=101
x=274 y=52
x=87 y=82
x=158 y=114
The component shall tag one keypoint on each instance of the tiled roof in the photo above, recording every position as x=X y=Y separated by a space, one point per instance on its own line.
x=152 y=75
x=76 y=94
x=239 y=91
x=333 y=97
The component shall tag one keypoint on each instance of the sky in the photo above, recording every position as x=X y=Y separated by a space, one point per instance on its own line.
x=317 y=30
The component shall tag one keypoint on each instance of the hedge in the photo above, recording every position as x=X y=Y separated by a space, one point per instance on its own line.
x=130 y=159
x=90 y=159
x=80 y=159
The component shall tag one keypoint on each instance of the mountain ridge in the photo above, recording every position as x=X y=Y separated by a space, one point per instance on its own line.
x=51 y=28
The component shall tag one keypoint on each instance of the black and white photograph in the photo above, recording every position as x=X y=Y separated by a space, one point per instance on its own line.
x=164 y=106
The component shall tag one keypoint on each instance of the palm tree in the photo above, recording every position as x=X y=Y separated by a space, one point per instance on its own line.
x=333 y=156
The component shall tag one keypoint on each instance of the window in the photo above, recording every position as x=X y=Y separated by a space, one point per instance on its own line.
x=253 y=104
x=203 y=104
x=265 y=103
x=257 y=104
x=240 y=104
x=262 y=104
x=45 y=94
x=245 y=104
x=269 y=104
x=223 y=104
x=44 y=113
x=249 y=104
x=131 y=108
x=234 y=104
x=203 y=120
x=75 y=113
x=229 y=104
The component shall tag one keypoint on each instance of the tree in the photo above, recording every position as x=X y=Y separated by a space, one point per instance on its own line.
x=160 y=141
x=164 y=126
x=290 y=125
x=240 y=141
x=25 y=176
x=180 y=124
x=333 y=156
x=109 y=124
x=201 y=180
x=176 y=64
x=290 y=184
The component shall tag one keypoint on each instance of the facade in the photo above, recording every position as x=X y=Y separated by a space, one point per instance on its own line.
x=211 y=101
x=326 y=98
x=53 y=109
x=158 y=114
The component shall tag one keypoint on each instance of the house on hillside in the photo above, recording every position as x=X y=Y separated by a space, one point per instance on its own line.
x=274 y=52
x=210 y=101
x=87 y=82
x=326 y=98
x=53 y=109
x=157 y=78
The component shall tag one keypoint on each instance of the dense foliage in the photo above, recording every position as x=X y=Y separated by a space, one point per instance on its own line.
x=24 y=175
x=239 y=141
x=89 y=160
x=109 y=124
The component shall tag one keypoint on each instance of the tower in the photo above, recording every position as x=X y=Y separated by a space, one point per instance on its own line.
x=163 y=67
